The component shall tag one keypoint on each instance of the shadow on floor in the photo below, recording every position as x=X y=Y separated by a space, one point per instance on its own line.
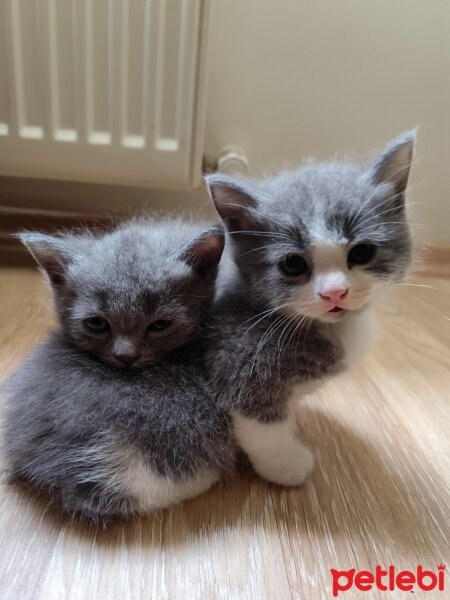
x=352 y=497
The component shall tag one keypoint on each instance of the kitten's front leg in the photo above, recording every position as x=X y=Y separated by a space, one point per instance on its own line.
x=274 y=449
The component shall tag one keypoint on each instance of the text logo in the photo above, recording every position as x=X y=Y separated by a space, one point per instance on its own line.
x=388 y=579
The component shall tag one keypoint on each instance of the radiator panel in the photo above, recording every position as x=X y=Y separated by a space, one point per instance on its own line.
x=102 y=90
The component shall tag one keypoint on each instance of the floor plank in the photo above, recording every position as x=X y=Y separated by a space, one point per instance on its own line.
x=379 y=493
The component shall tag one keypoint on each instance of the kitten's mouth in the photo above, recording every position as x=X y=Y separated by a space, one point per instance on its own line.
x=125 y=368
x=335 y=314
x=336 y=309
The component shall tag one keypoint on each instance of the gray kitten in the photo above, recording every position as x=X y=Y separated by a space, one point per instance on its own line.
x=112 y=415
x=311 y=248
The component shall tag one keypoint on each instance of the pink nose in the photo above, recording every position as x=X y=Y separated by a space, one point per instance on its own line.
x=334 y=296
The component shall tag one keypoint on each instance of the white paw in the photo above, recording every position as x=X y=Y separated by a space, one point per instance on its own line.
x=273 y=449
x=290 y=465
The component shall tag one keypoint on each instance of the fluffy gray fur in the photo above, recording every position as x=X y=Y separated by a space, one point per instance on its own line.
x=265 y=338
x=80 y=393
x=75 y=405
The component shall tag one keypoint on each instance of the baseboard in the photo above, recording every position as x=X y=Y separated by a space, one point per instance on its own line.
x=435 y=259
x=13 y=221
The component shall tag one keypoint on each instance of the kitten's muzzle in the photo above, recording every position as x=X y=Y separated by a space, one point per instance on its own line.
x=125 y=350
x=126 y=359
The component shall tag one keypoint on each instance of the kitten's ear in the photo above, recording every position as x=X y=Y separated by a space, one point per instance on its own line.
x=205 y=252
x=234 y=201
x=50 y=252
x=394 y=164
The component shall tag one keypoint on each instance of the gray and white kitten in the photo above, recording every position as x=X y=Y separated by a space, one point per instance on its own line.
x=312 y=248
x=112 y=415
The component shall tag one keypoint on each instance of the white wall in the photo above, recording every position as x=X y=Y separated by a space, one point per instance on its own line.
x=291 y=78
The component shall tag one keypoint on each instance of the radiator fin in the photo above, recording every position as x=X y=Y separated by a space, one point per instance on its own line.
x=101 y=89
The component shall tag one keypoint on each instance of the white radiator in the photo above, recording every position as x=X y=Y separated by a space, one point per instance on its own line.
x=103 y=90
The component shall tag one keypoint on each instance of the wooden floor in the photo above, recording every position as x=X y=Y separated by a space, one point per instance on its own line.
x=377 y=496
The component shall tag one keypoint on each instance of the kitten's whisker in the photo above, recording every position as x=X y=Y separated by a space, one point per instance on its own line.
x=271 y=311
x=259 y=314
x=375 y=215
x=416 y=185
x=297 y=325
x=263 y=233
x=267 y=246
x=379 y=214
x=413 y=162
x=302 y=324
x=431 y=287
x=446 y=317
x=258 y=321
x=283 y=226
x=373 y=212
x=279 y=345
x=266 y=336
x=267 y=312
x=407 y=204
x=284 y=343
x=371 y=227
x=388 y=284
x=369 y=199
x=277 y=323
x=308 y=327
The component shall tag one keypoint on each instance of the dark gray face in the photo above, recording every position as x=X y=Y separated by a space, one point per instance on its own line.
x=322 y=240
x=133 y=295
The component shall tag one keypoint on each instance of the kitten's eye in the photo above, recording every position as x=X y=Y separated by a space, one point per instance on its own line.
x=361 y=254
x=97 y=324
x=294 y=265
x=159 y=325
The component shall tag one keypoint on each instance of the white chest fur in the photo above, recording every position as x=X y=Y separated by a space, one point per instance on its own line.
x=356 y=334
